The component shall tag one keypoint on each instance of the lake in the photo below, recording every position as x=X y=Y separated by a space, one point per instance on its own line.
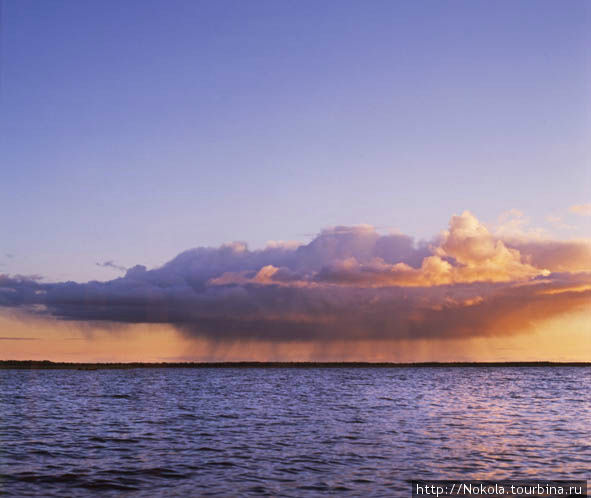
x=288 y=431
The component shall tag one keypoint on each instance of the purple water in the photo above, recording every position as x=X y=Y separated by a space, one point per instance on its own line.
x=286 y=431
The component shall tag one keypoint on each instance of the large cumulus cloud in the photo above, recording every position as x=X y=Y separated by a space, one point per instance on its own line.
x=347 y=283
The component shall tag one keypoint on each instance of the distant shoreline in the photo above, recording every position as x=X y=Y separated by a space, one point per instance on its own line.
x=50 y=365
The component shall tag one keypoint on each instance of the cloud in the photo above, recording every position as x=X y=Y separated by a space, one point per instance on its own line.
x=19 y=338
x=111 y=264
x=514 y=224
x=466 y=253
x=557 y=222
x=555 y=255
x=582 y=209
x=348 y=283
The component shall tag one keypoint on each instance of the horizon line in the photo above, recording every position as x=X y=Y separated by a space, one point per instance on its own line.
x=52 y=365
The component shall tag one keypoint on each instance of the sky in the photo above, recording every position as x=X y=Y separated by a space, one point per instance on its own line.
x=225 y=179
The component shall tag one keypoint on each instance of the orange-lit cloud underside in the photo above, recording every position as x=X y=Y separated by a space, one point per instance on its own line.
x=350 y=294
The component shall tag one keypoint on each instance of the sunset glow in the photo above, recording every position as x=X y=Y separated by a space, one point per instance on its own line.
x=351 y=294
x=295 y=248
x=407 y=181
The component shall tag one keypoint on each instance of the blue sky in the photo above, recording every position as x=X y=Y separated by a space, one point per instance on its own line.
x=134 y=130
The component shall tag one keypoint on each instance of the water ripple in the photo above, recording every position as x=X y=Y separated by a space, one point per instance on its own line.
x=287 y=432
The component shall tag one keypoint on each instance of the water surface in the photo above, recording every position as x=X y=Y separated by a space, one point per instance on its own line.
x=286 y=431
